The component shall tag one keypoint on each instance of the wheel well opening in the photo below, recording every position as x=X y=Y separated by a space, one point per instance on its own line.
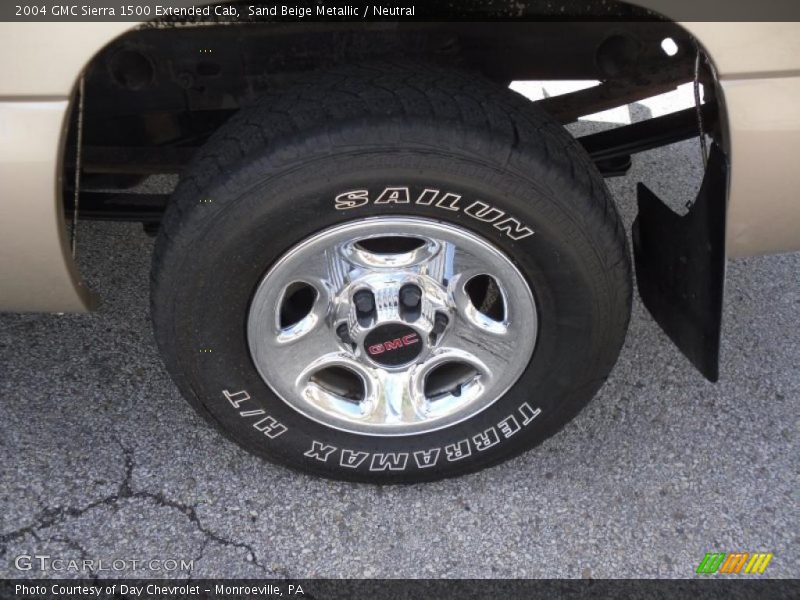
x=157 y=93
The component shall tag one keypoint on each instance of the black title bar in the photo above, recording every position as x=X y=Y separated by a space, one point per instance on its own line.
x=241 y=11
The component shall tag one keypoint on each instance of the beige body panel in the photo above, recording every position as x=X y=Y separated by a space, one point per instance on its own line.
x=758 y=65
x=764 y=195
x=49 y=56
x=37 y=272
x=759 y=70
x=743 y=50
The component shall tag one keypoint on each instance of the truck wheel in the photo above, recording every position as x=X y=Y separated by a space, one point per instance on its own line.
x=391 y=273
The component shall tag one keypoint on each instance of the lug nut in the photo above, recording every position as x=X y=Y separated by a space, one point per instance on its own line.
x=364 y=301
x=344 y=333
x=440 y=322
x=410 y=295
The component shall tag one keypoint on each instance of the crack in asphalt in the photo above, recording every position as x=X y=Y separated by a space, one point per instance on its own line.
x=77 y=547
x=50 y=517
x=199 y=556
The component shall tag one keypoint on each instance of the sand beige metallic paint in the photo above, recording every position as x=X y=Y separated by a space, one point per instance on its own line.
x=758 y=66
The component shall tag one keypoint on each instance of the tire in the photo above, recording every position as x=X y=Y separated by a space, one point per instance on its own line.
x=314 y=162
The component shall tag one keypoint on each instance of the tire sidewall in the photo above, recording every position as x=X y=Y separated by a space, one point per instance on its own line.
x=271 y=203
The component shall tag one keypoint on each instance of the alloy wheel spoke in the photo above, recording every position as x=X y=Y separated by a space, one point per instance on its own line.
x=392 y=398
x=397 y=339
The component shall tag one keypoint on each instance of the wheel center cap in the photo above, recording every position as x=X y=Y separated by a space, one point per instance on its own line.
x=393 y=344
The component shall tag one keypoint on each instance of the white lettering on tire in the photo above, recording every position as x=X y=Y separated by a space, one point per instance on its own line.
x=394 y=461
x=509 y=426
x=478 y=209
x=267 y=425
x=391 y=461
x=528 y=413
x=426 y=458
x=483 y=212
x=320 y=451
x=394 y=195
x=352 y=199
x=487 y=439
x=270 y=427
x=458 y=451
x=513 y=228
x=352 y=460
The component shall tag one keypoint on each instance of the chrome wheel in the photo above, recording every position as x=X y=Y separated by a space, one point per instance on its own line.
x=392 y=326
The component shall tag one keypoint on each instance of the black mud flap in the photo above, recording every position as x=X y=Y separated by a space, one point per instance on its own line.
x=680 y=265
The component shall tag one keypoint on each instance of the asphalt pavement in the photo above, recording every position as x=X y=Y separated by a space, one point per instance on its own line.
x=102 y=459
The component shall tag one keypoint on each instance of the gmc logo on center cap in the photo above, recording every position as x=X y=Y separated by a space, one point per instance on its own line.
x=389 y=345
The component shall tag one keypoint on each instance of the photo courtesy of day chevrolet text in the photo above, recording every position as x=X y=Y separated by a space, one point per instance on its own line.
x=150 y=590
